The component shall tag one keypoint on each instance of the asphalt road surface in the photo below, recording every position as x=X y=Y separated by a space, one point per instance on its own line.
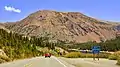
x=60 y=62
x=37 y=62
x=89 y=62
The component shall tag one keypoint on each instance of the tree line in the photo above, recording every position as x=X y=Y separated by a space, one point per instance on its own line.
x=109 y=45
x=19 y=46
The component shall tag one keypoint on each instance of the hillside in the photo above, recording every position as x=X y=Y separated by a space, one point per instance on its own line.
x=65 y=26
x=17 y=46
x=2 y=26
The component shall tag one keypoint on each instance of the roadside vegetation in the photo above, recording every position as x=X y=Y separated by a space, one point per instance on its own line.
x=17 y=46
x=109 y=45
x=118 y=61
x=115 y=56
x=4 y=59
x=85 y=55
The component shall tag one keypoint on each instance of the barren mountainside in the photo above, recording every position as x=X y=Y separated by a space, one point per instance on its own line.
x=70 y=26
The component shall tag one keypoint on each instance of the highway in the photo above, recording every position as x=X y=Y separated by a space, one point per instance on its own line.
x=89 y=62
x=60 y=62
x=37 y=62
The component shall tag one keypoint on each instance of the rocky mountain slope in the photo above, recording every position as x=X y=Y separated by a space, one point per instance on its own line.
x=2 y=26
x=66 y=26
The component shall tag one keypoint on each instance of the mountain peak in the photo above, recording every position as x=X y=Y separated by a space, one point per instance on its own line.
x=71 y=26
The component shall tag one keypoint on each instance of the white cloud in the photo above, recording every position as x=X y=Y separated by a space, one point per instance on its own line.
x=12 y=9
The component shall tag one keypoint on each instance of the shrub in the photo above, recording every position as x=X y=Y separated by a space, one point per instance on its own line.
x=118 y=61
x=114 y=56
x=53 y=52
x=78 y=55
x=4 y=58
x=2 y=61
x=88 y=55
x=85 y=55
x=104 y=55
x=73 y=55
x=117 y=53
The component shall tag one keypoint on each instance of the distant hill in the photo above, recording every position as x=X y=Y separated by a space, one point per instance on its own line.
x=65 y=26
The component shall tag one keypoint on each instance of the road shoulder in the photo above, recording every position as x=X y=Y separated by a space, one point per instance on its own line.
x=88 y=62
x=66 y=64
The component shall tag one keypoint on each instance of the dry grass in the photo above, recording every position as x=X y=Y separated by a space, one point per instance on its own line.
x=114 y=56
x=4 y=59
x=85 y=55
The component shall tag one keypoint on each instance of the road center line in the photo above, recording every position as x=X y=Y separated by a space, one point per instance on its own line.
x=59 y=62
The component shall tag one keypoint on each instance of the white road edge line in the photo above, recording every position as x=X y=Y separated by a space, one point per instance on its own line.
x=60 y=62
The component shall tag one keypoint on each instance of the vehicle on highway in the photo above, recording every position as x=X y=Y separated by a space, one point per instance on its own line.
x=47 y=55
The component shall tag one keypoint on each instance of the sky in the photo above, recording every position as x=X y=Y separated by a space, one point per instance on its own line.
x=15 y=10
